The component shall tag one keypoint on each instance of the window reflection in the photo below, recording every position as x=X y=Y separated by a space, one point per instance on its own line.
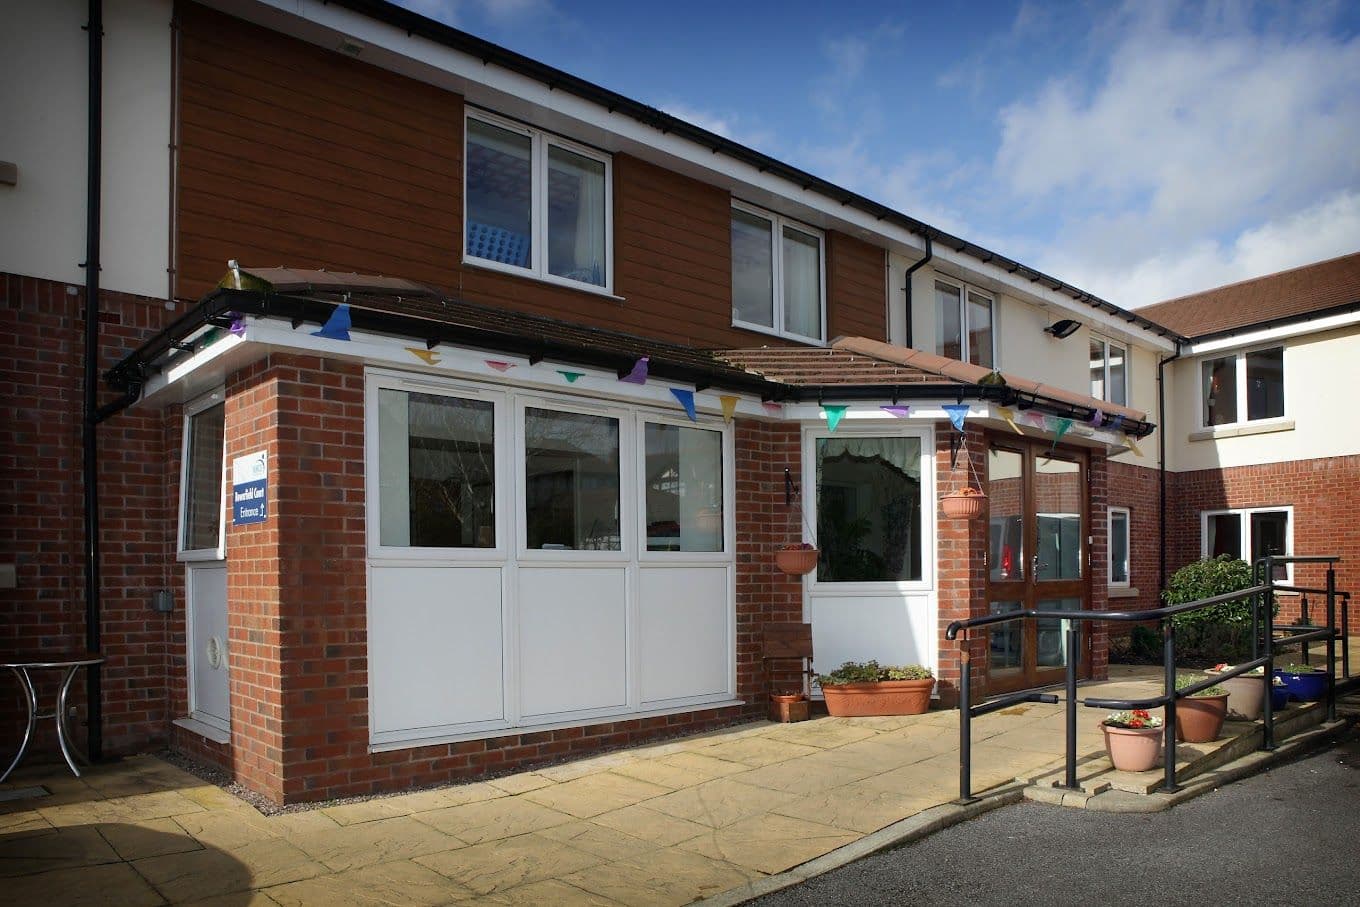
x=571 y=474
x=869 y=509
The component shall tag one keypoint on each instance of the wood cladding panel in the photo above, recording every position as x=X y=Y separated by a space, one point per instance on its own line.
x=294 y=155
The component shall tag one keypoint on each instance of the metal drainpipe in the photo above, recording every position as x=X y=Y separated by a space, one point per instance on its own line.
x=1161 y=467
x=93 y=675
x=930 y=253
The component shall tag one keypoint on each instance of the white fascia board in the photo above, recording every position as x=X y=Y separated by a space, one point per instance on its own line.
x=1283 y=332
x=263 y=335
x=870 y=412
x=585 y=121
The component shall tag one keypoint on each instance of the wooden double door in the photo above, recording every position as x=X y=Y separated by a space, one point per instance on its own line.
x=1038 y=557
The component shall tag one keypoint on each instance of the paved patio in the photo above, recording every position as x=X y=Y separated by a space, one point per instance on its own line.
x=665 y=824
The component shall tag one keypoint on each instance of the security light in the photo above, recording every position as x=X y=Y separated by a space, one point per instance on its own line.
x=1065 y=328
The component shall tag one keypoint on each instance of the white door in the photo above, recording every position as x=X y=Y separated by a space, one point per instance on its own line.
x=209 y=691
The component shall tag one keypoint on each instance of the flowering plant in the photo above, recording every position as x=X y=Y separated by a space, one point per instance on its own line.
x=1223 y=667
x=1138 y=718
x=798 y=546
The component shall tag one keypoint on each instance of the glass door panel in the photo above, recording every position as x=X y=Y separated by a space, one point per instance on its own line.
x=1051 y=647
x=1005 y=643
x=1058 y=508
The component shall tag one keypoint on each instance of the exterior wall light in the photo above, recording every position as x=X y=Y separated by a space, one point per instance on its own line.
x=1065 y=328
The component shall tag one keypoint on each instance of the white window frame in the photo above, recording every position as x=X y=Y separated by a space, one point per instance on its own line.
x=540 y=141
x=1105 y=344
x=1244 y=528
x=207 y=401
x=926 y=436
x=1240 y=381
x=965 y=338
x=1128 y=548
x=729 y=490
x=777 y=224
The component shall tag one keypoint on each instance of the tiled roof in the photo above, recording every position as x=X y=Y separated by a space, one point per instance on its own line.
x=1285 y=295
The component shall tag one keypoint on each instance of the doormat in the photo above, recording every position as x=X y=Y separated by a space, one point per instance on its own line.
x=24 y=793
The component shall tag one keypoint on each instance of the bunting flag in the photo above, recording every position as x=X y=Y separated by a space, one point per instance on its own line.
x=686 y=398
x=1008 y=414
x=639 y=373
x=1128 y=439
x=729 y=406
x=1038 y=420
x=570 y=376
x=337 y=326
x=499 y=365
x=833 y=414
x=1060 y=428
x=957 y=412
x=429 y=357
x=238 y=324
x=1115 y=423
x=774 y=409
x=1096 y=418
x=898 y=412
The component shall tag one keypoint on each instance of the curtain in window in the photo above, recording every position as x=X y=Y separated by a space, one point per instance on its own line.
x=980 y=330
x=802 y=284
x=869 y=509
x=576 y=215
x=948 y=327
x=752 y=269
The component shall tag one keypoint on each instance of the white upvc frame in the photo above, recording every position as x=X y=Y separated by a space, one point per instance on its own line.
x=777 y=224
x=1106 y=345
x=965 y=338
x=377 y=381
x=1111 y=582
x=1244 y=529
x=213 y=398
x=926 y=436
x=540 y=141
x=1240 y=382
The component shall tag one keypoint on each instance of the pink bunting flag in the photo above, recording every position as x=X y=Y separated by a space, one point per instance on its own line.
x=500 y=365
x=774 y=409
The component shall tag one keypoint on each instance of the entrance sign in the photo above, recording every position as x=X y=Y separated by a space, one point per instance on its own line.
x=249 y=488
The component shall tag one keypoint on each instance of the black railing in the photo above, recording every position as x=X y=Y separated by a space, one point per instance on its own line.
x=1264 y=646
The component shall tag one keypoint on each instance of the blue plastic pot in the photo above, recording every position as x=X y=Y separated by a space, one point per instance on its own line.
x=1279 y=697
x=1310 y=687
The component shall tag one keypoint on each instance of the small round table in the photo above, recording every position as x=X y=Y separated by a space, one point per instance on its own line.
x=70 y=663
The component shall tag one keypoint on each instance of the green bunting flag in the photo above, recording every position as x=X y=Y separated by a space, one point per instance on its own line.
x=833 y=415
x=570 y=376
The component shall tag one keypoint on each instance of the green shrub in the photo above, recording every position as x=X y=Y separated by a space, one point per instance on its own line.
x=1145 y=644
x=872 y=672
x=1220 y=632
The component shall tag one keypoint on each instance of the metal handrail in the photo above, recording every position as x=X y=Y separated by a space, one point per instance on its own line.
x=1263 y=635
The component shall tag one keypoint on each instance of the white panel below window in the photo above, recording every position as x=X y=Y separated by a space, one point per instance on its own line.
x=210 y=691
x=683 y=625
x=572 y=639
x=435 y=647
x=891 y=629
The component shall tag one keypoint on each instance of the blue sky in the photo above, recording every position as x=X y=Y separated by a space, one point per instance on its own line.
x=1139 y=151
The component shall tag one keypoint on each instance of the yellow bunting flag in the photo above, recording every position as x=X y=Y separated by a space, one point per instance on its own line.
x=729 y=406
x=1008 y=414
x=1133 y=447
x=429 y=357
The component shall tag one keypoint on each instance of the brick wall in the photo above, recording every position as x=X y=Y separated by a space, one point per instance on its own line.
x=42 y=534
x=962 y=557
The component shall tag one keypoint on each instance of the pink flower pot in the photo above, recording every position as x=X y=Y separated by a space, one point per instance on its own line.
x=1133 y=749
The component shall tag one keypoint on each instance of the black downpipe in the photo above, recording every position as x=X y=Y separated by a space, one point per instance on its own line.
x=93 y=675
x=1161 y=468
x=930 y=253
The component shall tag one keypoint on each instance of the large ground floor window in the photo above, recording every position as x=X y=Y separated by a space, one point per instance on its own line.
x=540 y=559
x=1249 y=534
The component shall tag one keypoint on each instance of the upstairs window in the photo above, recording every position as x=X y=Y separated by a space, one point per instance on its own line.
x=777 y=275
x=963 y=324
x=1109 y=371
x=1243 y=387
x=536 y=204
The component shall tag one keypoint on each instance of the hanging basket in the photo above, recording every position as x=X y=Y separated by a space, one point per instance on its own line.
x=796 y=561
x=964 y=505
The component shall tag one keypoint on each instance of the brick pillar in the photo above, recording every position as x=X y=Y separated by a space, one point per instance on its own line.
x=961 y=555
x=1099 y=563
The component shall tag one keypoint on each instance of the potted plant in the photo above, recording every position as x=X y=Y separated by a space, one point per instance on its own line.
x=796 y=558
x=1133 y=739
x=1305 y=682
x=860 y=688
x=966 y=503
x=1199 y=716
x=1246 y=692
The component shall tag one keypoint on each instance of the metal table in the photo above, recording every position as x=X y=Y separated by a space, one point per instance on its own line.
x=70 y=663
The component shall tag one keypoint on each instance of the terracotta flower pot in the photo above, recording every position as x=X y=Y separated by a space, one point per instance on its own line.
x=963 y=506
x=796 y=561
x=1246 y=695
x=1200 y=718
x=1133 y=749
x=886 y=697
x=788 y=707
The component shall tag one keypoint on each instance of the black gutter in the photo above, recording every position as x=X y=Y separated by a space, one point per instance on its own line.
x=930 y=253
x=1161 y=468
x=90 y=465
x=417 y=25
x=216 y=307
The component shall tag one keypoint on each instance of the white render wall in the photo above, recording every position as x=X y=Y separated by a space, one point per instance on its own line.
x=43 y=111
x=1320 y=373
